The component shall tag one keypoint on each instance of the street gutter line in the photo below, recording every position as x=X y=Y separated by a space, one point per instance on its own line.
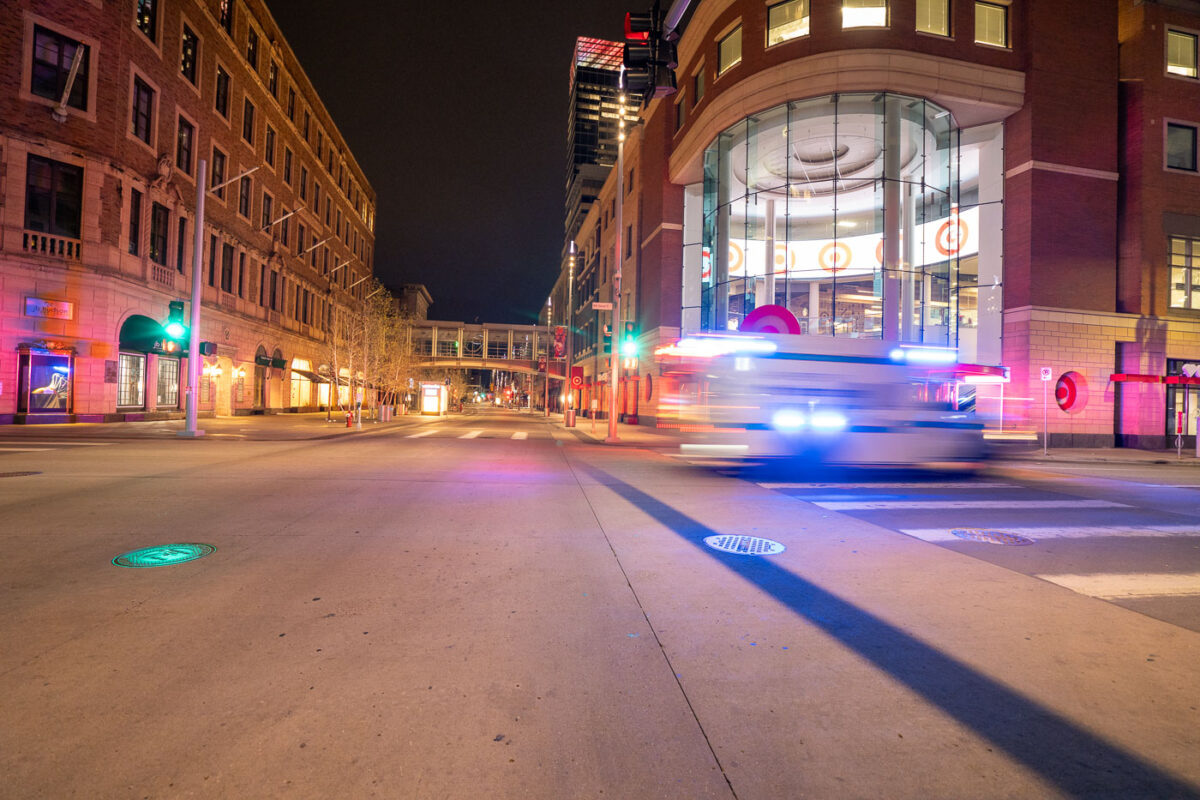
x=653 y=632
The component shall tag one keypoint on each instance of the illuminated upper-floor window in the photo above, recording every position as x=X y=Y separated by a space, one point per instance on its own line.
x=864 y=13
x=53 y=56
x=787 y=20
x=1185 y=272
x=729 y=50
x=991 y=24
x=146 y=18
x=1181 y=53
x=933 y=16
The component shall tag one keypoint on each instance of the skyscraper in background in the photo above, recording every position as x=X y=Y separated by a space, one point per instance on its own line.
x=591 y=125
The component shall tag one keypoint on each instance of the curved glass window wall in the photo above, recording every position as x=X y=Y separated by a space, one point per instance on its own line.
x=845 y=210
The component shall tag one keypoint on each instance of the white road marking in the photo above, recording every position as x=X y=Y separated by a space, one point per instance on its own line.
x=23 y=449
x=470 y=435
x=1078 y=532
x=912 y=485
x=66 y=444
x=1130 y=586
x=520 y=435
x=932 y=505
x=419 y=435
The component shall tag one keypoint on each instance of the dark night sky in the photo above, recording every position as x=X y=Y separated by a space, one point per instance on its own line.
x=457 y=114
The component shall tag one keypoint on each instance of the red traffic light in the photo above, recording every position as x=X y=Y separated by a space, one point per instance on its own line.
x=638 y=26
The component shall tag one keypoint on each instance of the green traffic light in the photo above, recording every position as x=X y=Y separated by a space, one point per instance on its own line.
x=175 y=330
x=629 y=348
x=175 y=327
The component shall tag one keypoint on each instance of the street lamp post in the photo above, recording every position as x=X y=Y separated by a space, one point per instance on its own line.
x=193 y=412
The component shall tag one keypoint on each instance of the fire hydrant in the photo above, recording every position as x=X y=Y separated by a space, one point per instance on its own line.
x=349 y=419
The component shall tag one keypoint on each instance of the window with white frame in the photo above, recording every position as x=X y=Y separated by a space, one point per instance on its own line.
x=933 y=16
x=1185 y=272
x=991 y=24
x=729 y=51
x=1181 y=53
x=864 y=13
x=131 y=380
x=1181 y=146
x=786 y=20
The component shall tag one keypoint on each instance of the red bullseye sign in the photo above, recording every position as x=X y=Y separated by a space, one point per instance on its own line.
x=951 y=236
x=834 y=257
x=770 y=319
x=1070 y=392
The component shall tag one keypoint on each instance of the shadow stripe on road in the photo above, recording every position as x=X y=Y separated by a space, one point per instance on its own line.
x=1079 y=762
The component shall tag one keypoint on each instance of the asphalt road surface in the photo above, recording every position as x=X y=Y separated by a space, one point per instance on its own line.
x=484 y=606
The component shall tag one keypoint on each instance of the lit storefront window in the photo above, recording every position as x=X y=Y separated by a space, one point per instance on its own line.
x=167 y=395
x=804 y=204
x=45 y=383
x=131 y=380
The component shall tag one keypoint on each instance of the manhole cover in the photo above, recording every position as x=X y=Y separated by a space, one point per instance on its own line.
x=744 y=545
x=163 y=555
x=990 y=537
x=17 y=474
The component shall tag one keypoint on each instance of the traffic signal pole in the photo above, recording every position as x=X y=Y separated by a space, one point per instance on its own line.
x=613 y=363
x=194 y=356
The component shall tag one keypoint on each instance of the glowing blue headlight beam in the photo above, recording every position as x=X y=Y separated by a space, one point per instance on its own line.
x=788 y=419
x=828 y=421
x=923 y=355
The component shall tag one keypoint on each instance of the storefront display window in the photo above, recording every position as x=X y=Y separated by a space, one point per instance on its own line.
x=168 y=383
x=850 y=212
x=45 y=383
x=131 y=380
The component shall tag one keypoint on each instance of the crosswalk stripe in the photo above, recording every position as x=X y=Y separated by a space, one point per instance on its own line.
x=520 y=435
x=420 y=434
x=1075 y=532
x=1129 y=586
x=930 y=505
x=470 y=435
x=23 y=449
x=913 y=485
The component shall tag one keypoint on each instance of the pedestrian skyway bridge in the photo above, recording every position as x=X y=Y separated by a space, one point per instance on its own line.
x=513 y=348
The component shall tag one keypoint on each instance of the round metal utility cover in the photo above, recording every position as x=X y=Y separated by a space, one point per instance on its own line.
x=744 y=545
x=163 y=555
x=991 y=537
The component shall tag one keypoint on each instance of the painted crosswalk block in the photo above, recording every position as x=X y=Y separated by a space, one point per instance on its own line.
x=1008 y=505
x=1075 y=532
x=1129 y=586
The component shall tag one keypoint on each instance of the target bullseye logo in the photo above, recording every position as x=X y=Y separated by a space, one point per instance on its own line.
x=770 y=319
x=834 y=257
x=951 y=236
x=737 y=259
x=1070 y=392
x=784 y=260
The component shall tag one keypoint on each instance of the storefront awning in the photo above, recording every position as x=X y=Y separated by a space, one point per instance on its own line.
x=1133 y=377
x=312 y=376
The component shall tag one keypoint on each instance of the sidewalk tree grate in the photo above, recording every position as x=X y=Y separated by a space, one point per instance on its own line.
x=990 y=537
x=163 y=555
x=744 y=545
x=17 y=474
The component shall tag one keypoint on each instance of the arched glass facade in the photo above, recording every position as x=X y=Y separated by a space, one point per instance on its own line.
x=845 y=210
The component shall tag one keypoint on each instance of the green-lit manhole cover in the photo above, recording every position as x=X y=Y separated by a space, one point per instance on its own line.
x=744 y=545
x=990 y=537
x=163 y=555
x=17 y=474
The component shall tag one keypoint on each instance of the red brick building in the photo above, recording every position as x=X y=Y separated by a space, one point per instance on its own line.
x=109 y=111
x=1012 y=179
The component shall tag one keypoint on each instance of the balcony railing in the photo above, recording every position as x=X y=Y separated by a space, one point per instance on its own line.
x=58 y=246
x=163 y=275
